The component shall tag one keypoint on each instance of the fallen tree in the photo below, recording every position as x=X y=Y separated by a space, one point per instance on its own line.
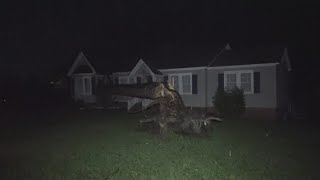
x=168 y=112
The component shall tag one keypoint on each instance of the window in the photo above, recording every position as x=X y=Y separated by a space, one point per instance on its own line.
x=175 y=82
x=242 y=79
x=182 y=82
x=149 y=79
x=245 y=82
x=231 y=81
x=132 y=80
x=123 y=80
x=186 y=84
x=138 y=80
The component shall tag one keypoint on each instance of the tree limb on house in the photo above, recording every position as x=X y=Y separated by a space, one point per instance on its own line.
x=171 y=113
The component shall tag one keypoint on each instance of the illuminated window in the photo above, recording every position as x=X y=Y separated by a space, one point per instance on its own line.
x=242 y=79
x=175 y=82
x=186 y=84
x=245 y=82
x=231 y=80
x=181 y=82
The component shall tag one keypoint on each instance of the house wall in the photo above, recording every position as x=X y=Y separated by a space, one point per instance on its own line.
x=115 y=76
x=192 y=100
x=272 y=85
x=265 y=99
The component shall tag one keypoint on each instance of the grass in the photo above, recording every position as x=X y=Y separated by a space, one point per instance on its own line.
x=104 y=145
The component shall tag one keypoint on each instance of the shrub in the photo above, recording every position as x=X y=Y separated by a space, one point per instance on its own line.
x=230 y=102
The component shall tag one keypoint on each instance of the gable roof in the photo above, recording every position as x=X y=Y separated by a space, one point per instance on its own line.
x=245 y=56
x=138 y=65
x=185 y=57
x=81 y=65
x=225 y=55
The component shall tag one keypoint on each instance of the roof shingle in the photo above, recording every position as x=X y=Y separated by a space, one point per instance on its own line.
x=195 y=57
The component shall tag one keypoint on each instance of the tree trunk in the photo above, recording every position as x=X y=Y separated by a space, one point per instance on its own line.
x=172 y=114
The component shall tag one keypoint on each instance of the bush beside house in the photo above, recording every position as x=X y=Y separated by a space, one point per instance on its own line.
x=229 y=102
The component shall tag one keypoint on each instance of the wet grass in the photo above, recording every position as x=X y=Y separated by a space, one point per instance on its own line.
x=104 y=145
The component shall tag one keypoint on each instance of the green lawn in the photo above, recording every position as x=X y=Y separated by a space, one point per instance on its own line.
x=102 y=145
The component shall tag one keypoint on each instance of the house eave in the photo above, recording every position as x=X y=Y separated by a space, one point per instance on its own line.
x=183 y=69
x=245 y=66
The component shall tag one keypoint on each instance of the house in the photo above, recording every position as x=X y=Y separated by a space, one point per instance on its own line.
x=263 y=74
x=82 y=80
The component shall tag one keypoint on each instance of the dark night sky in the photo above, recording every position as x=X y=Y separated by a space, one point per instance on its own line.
x=45 y=36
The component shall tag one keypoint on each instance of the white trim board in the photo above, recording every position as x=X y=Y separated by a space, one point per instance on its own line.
x=245 y=66
x=221 y=67
x=183 y=69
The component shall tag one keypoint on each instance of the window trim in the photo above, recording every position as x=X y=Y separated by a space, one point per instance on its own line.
x=238 y=79
x=180 y=82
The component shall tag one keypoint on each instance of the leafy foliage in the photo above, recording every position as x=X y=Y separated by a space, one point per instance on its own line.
x=229 y=102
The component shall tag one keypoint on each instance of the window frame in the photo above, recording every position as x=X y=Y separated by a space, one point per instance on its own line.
x=238 y=79
x=179 y=75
